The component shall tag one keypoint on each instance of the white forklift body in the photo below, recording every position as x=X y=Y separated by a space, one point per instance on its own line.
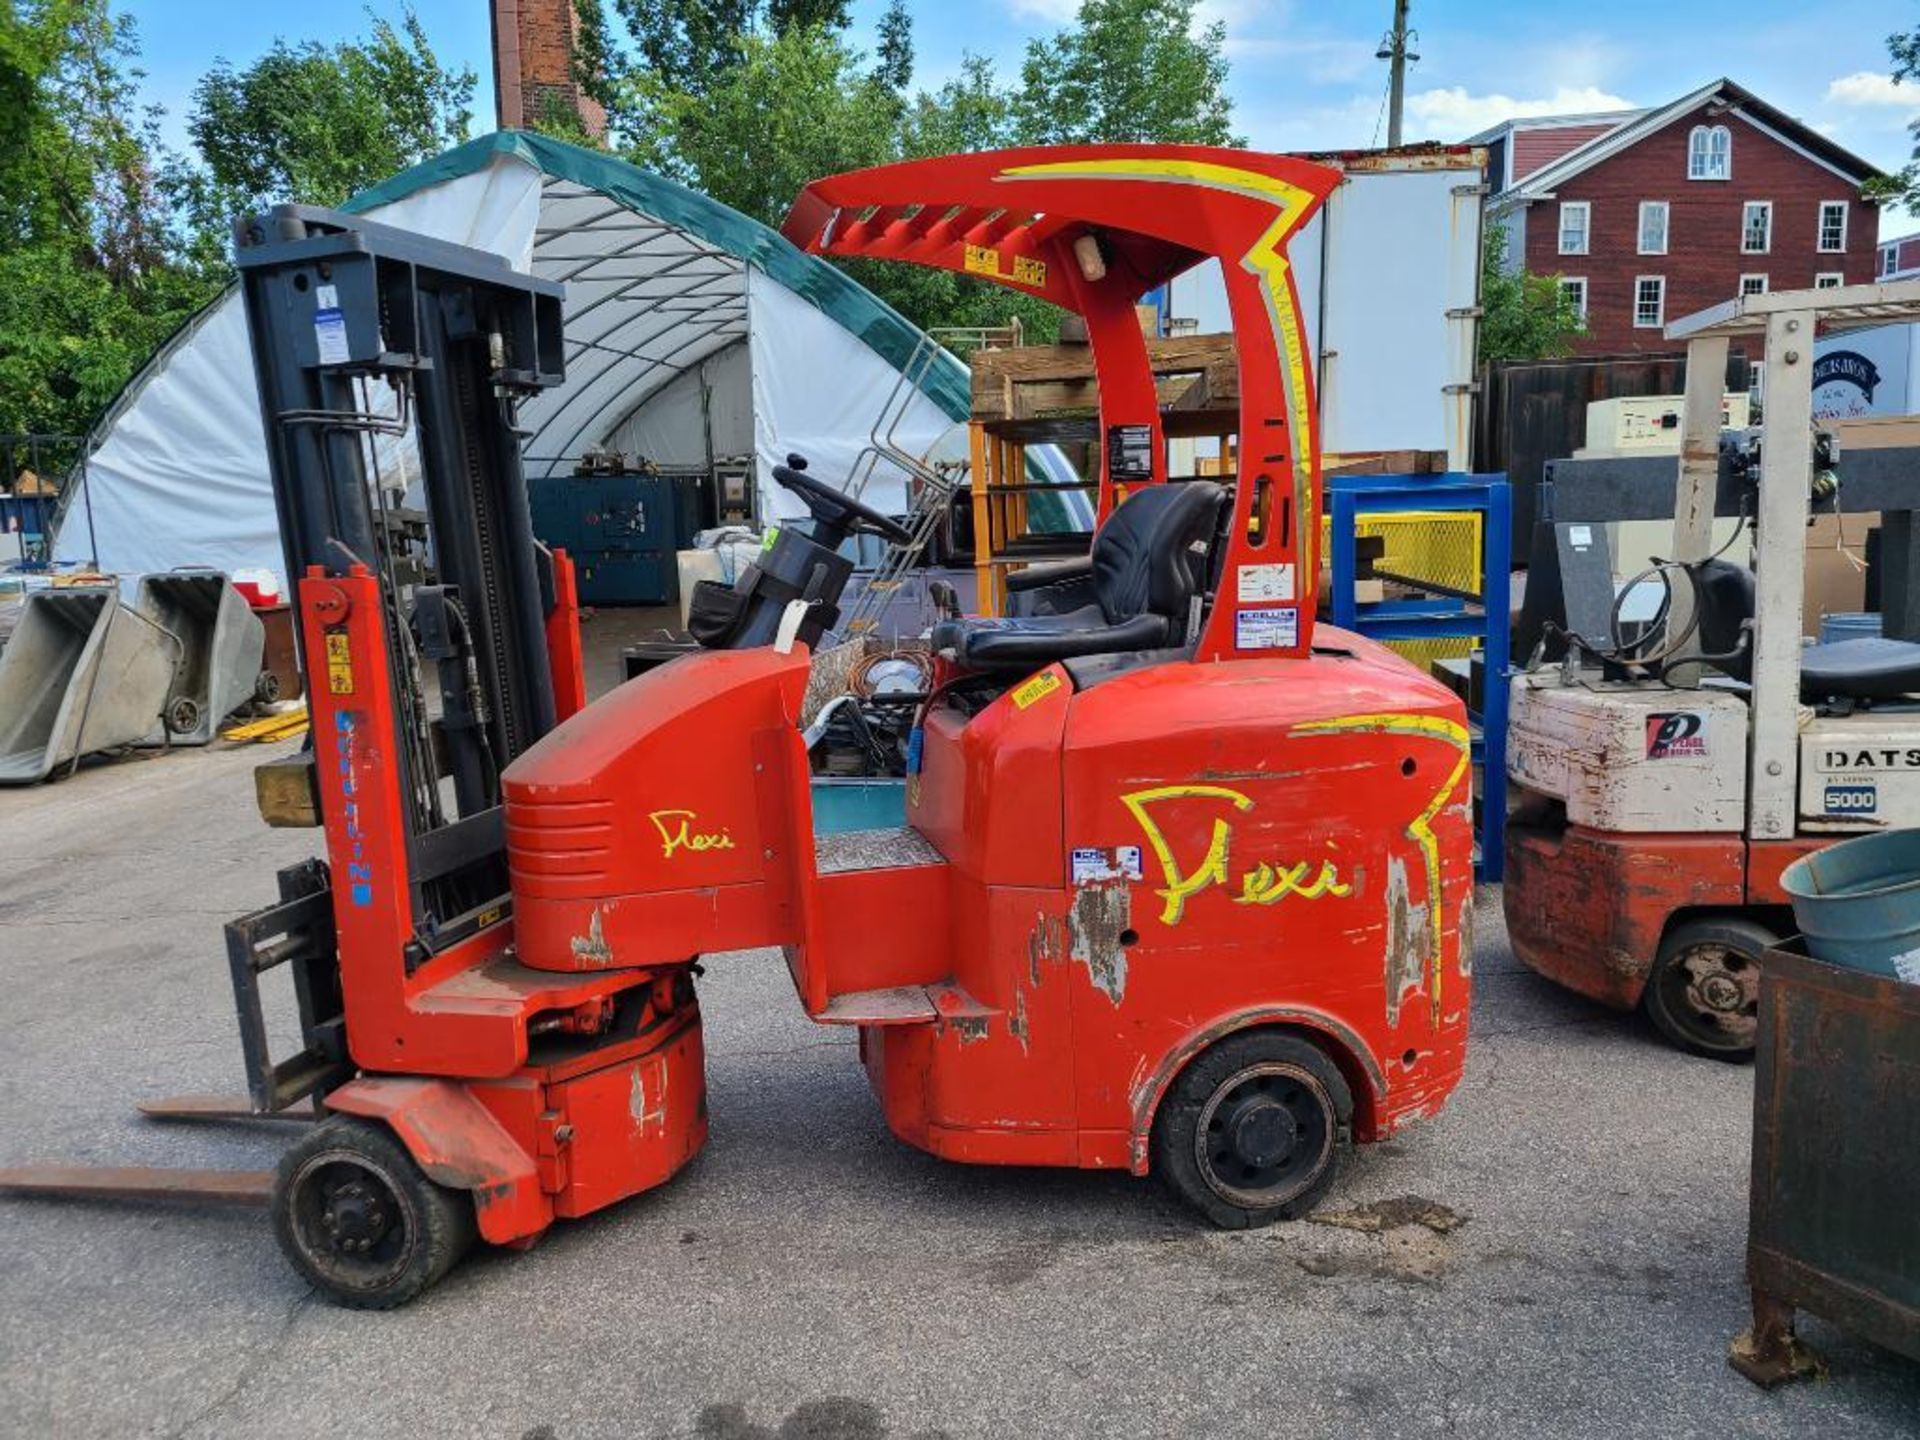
x=1660 y=790
x=1692 y=753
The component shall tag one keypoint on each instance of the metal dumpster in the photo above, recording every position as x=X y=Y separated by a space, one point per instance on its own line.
x=221 y=645
x=81 y=672
x=1836 y=1162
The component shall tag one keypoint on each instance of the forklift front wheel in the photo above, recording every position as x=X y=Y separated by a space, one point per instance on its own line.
x=1703 y=992
x=1253 y=1130
x=354 y=1214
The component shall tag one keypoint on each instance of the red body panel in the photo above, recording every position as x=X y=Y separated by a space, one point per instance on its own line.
x=1587 y=908
x=1125 y=875
x=670 y=818
x=564 y=656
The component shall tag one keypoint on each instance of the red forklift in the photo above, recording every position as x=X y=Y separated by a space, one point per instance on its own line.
x=1181 y=884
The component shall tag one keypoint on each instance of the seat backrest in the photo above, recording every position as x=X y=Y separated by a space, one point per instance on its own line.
x=1143 y=557
x=1726 y=604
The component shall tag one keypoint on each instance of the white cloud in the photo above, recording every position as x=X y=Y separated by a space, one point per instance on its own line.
x=1453 y=113
x=1866 y=87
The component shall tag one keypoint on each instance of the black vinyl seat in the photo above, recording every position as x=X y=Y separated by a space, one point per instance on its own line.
x=1148 y=562
x=1870 y=668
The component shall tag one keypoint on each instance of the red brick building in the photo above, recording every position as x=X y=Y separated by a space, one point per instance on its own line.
x=1648 y=215
x=1900 y=258
x=534 y=43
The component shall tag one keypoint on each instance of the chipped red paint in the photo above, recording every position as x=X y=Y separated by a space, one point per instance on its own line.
x=1103 y=880
x=1587 y=908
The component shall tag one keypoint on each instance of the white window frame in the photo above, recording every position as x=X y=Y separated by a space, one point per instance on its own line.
x=1820 y=228
x=1829 y=279
x=1766 y=247
x=1700 y=149
x=1647 y=207
x=1581 y=281
x=1585 y=207
x=1761 y=289
x=1660 y=315
x=1889 y=260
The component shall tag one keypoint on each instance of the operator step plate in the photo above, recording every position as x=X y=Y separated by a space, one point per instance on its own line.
x=901 y=1005
x=898 y=848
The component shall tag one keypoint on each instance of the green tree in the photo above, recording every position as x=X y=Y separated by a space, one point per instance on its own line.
x=316 y=123
x=894 y=48
x=1127 y=70
x=87 y=287
x=1524 y=316
x=795 y=106
x=1903 y=186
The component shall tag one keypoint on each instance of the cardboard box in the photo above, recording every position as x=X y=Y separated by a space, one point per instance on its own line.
x=1836 y=579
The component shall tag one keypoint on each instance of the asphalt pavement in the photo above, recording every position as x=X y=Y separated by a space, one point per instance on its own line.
x=1568 y=1263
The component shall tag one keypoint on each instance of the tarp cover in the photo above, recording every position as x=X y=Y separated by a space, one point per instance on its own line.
x=690 y=330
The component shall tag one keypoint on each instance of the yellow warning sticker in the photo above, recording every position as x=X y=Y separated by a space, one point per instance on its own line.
x=982 y=259
x=1036 y=689
x=339 y=664
x=985 y=260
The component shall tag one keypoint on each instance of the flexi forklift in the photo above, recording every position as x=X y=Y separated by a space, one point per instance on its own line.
x=1182 y=881
x=1664 y=779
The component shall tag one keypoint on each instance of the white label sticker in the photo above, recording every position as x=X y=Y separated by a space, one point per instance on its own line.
x=1265 y=582
x=1090 y=865
x=330 y=334
x=1266 y=629
x=327 y=297
x=1579 y=536
x=1129 y=858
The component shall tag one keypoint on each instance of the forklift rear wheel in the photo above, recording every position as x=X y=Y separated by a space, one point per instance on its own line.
x=354 y=1214
x=1253 y=1129
x=1704 y=990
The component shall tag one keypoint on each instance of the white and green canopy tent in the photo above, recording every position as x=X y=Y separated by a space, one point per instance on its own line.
x=691 y=332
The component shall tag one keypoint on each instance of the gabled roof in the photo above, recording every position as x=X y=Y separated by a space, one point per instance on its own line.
x=1551 y=122
x=1737 y=99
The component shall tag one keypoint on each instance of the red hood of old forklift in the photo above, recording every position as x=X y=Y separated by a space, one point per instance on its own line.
x=666 y=819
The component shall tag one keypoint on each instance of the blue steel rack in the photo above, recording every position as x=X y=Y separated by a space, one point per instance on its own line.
x=1441 y=614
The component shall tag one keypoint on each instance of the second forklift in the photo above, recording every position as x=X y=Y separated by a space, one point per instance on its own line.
x=1664 y=780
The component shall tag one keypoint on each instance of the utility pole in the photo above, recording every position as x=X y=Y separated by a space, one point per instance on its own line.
x=1394 y=49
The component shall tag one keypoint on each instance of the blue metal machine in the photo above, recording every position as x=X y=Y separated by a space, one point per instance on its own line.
x=622 y=528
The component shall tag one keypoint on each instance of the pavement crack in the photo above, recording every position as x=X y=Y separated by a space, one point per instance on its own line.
x=252 y=1367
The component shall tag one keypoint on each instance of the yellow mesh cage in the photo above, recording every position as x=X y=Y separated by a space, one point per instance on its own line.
x=1442 y=546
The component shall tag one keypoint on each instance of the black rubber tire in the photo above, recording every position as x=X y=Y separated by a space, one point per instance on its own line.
x=1691 y=1028
x=1303 y=1077
x=431 y=1227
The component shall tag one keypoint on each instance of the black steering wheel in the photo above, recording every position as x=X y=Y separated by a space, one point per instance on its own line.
x=839 y=515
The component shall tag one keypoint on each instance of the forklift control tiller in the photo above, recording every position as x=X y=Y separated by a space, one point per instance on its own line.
x=1182 y=885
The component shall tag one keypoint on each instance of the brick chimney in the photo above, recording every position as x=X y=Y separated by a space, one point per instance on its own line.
x=533 y=45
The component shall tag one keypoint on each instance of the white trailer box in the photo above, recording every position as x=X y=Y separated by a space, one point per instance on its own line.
x=1389 y=277
x=1867 y=372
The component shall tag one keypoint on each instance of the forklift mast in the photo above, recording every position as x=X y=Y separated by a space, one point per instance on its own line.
x=389 y=367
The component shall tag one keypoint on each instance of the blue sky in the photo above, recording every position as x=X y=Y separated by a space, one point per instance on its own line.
x=1304 y=73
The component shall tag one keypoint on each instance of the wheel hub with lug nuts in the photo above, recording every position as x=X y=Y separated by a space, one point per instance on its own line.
x=354 y=1219
x=1261 y=1132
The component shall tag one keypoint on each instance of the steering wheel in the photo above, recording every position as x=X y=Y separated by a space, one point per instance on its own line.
x=840 y=514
